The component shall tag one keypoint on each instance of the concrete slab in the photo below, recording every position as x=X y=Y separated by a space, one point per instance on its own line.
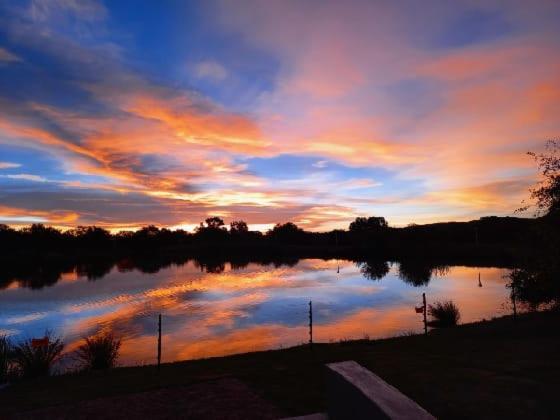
x=354 y=392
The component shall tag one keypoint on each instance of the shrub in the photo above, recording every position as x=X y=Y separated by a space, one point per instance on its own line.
x=5 y=354
x=33 y=362
x=100 y=352
x=444 y=314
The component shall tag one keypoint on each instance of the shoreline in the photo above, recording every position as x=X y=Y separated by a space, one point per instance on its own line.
x=452 y=372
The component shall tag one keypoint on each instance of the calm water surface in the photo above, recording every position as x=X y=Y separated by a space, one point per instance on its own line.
x=253 y=308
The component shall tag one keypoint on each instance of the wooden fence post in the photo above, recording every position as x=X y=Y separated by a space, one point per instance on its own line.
x=425 y=320
x=310 y=324
x=159 y=342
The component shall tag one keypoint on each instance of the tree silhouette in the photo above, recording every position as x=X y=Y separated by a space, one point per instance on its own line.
x=374 y=269
x=547 y=192
x=214 y=223
x=287 y=232
x=214 y=231
x=536 y=281
x=415 y=272
x=238 y=227
x=368 y=224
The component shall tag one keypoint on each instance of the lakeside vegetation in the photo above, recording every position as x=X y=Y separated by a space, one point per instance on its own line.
x=444 y=314
x=36 y=358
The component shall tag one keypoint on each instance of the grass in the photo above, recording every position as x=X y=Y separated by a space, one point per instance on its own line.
x=99 y=352
x=444 y=314
x=493 y=369
x=33 y=362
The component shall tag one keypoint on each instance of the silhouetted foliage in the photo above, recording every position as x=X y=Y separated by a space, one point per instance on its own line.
x=33 y=362
x=94 y=269
x=286 y=233
x=5 y=355
x=99 y=352
x=368 y=224
x=535 y=286
x=238 y=227
x=444 y=314
x=374 y=269
x=213 y=232
x=547 y=193
x=415 y=272
x=535 y=281
x=91 y=236
x=214 y=223
x=209 y=265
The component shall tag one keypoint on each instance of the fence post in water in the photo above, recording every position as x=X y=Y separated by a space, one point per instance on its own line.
x=310 y=324
x=425 y=320
x=159 y=342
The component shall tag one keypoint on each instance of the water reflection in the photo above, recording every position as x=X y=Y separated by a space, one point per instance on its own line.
x=215 y=308
x=373 y=269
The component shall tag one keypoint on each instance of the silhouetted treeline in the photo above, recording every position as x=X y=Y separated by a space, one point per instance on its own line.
x=504 y=237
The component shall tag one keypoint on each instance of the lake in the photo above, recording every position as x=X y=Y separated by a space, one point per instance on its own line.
x=213 y=311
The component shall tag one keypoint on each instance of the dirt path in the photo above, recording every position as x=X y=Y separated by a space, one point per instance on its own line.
x=226 y=398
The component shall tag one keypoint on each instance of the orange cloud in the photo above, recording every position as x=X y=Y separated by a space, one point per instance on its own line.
x=17 y=216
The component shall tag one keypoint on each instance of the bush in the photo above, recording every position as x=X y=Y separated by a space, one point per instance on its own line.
x=100 y=352
x=444 y=314
x=5 y=354
x=33 y=362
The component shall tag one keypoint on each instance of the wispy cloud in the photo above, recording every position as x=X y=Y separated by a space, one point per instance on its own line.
x=7 y=56
x=26 y=177
x=321 y=164
x=9 y=165
x=210 y=70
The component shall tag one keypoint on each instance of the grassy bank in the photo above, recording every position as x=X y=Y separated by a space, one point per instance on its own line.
x=498 y=368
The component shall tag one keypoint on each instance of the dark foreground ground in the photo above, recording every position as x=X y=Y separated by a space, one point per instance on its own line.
x=494 y=369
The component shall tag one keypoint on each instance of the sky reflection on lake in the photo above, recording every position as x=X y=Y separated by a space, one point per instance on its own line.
x=257 y=307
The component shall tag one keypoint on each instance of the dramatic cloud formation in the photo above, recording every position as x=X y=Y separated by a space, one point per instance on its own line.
x=313 y=112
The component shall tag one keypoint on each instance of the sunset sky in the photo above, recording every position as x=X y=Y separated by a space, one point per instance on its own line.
x=127 y=113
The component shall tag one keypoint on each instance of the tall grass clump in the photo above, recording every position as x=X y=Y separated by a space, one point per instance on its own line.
x=444 y=314
x=5 y=355
x=33 y=362
x=99 y=352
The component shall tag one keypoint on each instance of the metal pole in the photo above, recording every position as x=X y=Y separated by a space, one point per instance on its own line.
x=425 y=320
x=159 y=342
x=310 y=324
